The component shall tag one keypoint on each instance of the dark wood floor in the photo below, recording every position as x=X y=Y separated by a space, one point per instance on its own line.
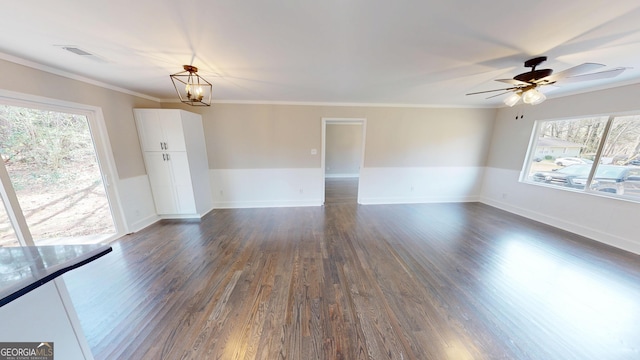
x=346 y=281
x=341 y=191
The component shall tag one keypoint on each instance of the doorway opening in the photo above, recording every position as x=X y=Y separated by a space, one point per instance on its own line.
x=343 y=143
x=53 y=185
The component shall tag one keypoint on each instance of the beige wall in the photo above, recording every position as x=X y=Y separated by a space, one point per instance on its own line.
x=241 y=136
x=116 y=108
x=417 y=137
x=262 y=136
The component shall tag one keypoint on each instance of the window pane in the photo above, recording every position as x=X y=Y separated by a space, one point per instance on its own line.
x=564 y=151
x=619 y=169
x=51 y=160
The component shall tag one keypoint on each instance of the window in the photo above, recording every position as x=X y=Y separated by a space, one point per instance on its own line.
x=598 y=155
x=54 y=158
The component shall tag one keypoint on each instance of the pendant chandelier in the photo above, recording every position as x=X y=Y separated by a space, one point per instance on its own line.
x=191 y=88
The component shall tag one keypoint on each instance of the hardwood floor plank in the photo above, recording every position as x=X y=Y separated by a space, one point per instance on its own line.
x=341 y=190
x=214 y=316
x=346 y=281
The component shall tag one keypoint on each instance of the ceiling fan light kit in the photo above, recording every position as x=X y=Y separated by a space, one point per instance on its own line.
x=533 y=97
x=525 y=86
x=191 y=88
x=512 y=99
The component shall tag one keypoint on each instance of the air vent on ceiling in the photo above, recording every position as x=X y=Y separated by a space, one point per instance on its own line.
x=83 y=53
x=76 y=50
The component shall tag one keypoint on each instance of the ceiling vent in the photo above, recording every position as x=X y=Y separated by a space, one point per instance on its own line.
x=77 y=51
x=85 y=54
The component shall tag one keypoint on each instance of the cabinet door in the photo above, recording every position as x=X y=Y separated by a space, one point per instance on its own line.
x=150 y=130
x=172 y=129
x=185 y=201
x=161 y=180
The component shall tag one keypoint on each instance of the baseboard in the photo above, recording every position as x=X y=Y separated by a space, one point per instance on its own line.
x=335 y=176
x=203 y=214
x=181 y=216
x=266 y=204
x=143 y=223
x=416 y=200
x=591 y=233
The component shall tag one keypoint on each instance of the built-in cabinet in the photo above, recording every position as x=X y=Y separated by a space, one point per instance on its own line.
x=175 y=156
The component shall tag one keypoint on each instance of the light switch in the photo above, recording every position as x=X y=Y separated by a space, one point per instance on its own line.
x=314 y=151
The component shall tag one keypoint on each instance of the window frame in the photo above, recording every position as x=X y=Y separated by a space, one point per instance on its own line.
x=525 y=176
x=102 y=147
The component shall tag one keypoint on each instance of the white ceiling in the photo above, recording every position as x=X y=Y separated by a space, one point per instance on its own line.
x=333 y=51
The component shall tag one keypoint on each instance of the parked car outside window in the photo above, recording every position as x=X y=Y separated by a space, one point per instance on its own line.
x=566 y=161
x=565 y=176
x=608 y=178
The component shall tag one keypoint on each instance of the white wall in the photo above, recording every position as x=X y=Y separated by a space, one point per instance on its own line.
x=245 y=188
x=137 y=202
x=251 y=188
x=608 y=220
x=45 y=314
x=404 y=185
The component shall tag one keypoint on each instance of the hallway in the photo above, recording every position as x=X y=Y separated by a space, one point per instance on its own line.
x=341 y=191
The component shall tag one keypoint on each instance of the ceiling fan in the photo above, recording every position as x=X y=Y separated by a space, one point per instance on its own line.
x=525 y=86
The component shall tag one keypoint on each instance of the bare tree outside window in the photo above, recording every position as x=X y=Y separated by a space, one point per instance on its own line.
x=51 y=160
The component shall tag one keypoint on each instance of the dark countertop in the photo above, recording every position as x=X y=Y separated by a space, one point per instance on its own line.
x=23 y=269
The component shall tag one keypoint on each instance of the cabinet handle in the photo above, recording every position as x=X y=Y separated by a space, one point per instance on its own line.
x=167 y=157
x=164 y=158
x=165 y=146
x=161 y=146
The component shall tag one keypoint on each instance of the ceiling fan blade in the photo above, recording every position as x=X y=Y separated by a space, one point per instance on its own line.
x=576 y=70
x=514 y=82
x=595 y=76
x=488 y=91
x=506 y=92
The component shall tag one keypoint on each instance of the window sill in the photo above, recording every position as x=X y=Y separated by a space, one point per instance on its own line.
x=596 y=193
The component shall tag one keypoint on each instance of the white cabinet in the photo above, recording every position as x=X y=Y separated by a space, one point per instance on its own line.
x=160 y=129
x=175 y=156
x=169 y=178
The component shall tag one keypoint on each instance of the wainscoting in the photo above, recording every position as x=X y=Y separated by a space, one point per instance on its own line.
x=610 y=221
